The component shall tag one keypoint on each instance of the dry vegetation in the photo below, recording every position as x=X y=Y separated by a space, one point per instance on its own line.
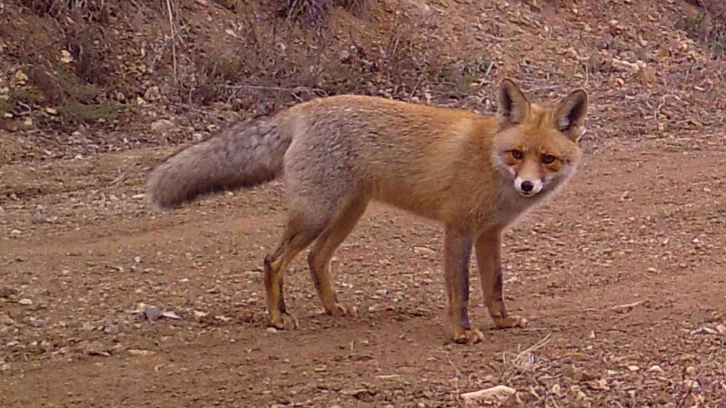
x=706 y=21
x=622 y=278
x=83 y=70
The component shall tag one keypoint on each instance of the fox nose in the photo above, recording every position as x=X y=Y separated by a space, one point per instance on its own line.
x=527 y=186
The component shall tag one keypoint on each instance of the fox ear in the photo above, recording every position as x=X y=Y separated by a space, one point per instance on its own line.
x=513 y=105
x=570 y=114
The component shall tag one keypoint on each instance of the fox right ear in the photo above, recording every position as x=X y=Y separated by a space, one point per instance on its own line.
x=513 y=105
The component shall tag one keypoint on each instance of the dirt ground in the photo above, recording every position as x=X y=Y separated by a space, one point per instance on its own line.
x=622 y=278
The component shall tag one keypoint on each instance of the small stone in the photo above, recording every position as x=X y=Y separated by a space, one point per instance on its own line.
x=6 y=292
x=37 y=323
x=25 y=302
x=20 y=77
x=66 y=57
x=88 y=326
x=489 y=395
x=162 y=126
x=151 y=313
x=112 y=330
x=6 y=320
x=575 y=374
x=633 y=368
x=271 y=330
x=198 y=314
x=96 y=348
x=152 y=94
x=655 y=369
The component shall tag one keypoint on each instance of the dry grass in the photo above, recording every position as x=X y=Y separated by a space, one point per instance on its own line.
x=290 y=57
x=70 y=92
x=708 y=25
x=92 y=11
x=316 y=12
x=289 y=63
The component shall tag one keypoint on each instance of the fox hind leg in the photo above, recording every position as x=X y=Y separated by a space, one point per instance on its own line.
x=341 y=225
x=299 y=233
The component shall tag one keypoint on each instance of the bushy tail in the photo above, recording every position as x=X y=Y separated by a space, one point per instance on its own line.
x=244 y=155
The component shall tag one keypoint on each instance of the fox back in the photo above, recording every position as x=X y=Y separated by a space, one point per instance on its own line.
x=445 y=164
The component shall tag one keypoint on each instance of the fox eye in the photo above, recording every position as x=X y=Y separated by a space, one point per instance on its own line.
x=548 y=159
x=517 y=154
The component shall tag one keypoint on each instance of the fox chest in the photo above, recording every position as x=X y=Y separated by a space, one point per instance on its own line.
x=508 y=208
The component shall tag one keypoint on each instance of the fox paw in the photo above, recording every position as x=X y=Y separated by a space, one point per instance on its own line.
x=339 y=309
x=510 y=321
x=284 y=321
x=469 y=336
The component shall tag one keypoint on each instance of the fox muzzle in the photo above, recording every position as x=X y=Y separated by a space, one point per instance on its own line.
x=527 y=187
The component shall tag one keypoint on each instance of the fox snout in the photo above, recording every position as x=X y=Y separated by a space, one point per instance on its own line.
x=528 y=187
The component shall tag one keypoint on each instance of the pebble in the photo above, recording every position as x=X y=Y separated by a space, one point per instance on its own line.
x=6 y=320
x=96 y=348
x=151 y=313
x=6 y=292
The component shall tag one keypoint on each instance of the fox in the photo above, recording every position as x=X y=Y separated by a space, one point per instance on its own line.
x=475 y=174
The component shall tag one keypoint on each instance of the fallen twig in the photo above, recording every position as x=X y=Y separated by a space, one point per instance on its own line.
x=627 y=305
x=172 y=36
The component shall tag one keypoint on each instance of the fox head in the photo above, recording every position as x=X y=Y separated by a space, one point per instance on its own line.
x=536 y=148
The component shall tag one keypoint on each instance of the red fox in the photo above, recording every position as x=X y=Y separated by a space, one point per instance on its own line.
x=475 y=173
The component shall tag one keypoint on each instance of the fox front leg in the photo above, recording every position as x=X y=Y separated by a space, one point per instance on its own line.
x=457 y=253
x=488 y=254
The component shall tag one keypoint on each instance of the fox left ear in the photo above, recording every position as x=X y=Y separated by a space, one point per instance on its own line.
x=570 y=114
